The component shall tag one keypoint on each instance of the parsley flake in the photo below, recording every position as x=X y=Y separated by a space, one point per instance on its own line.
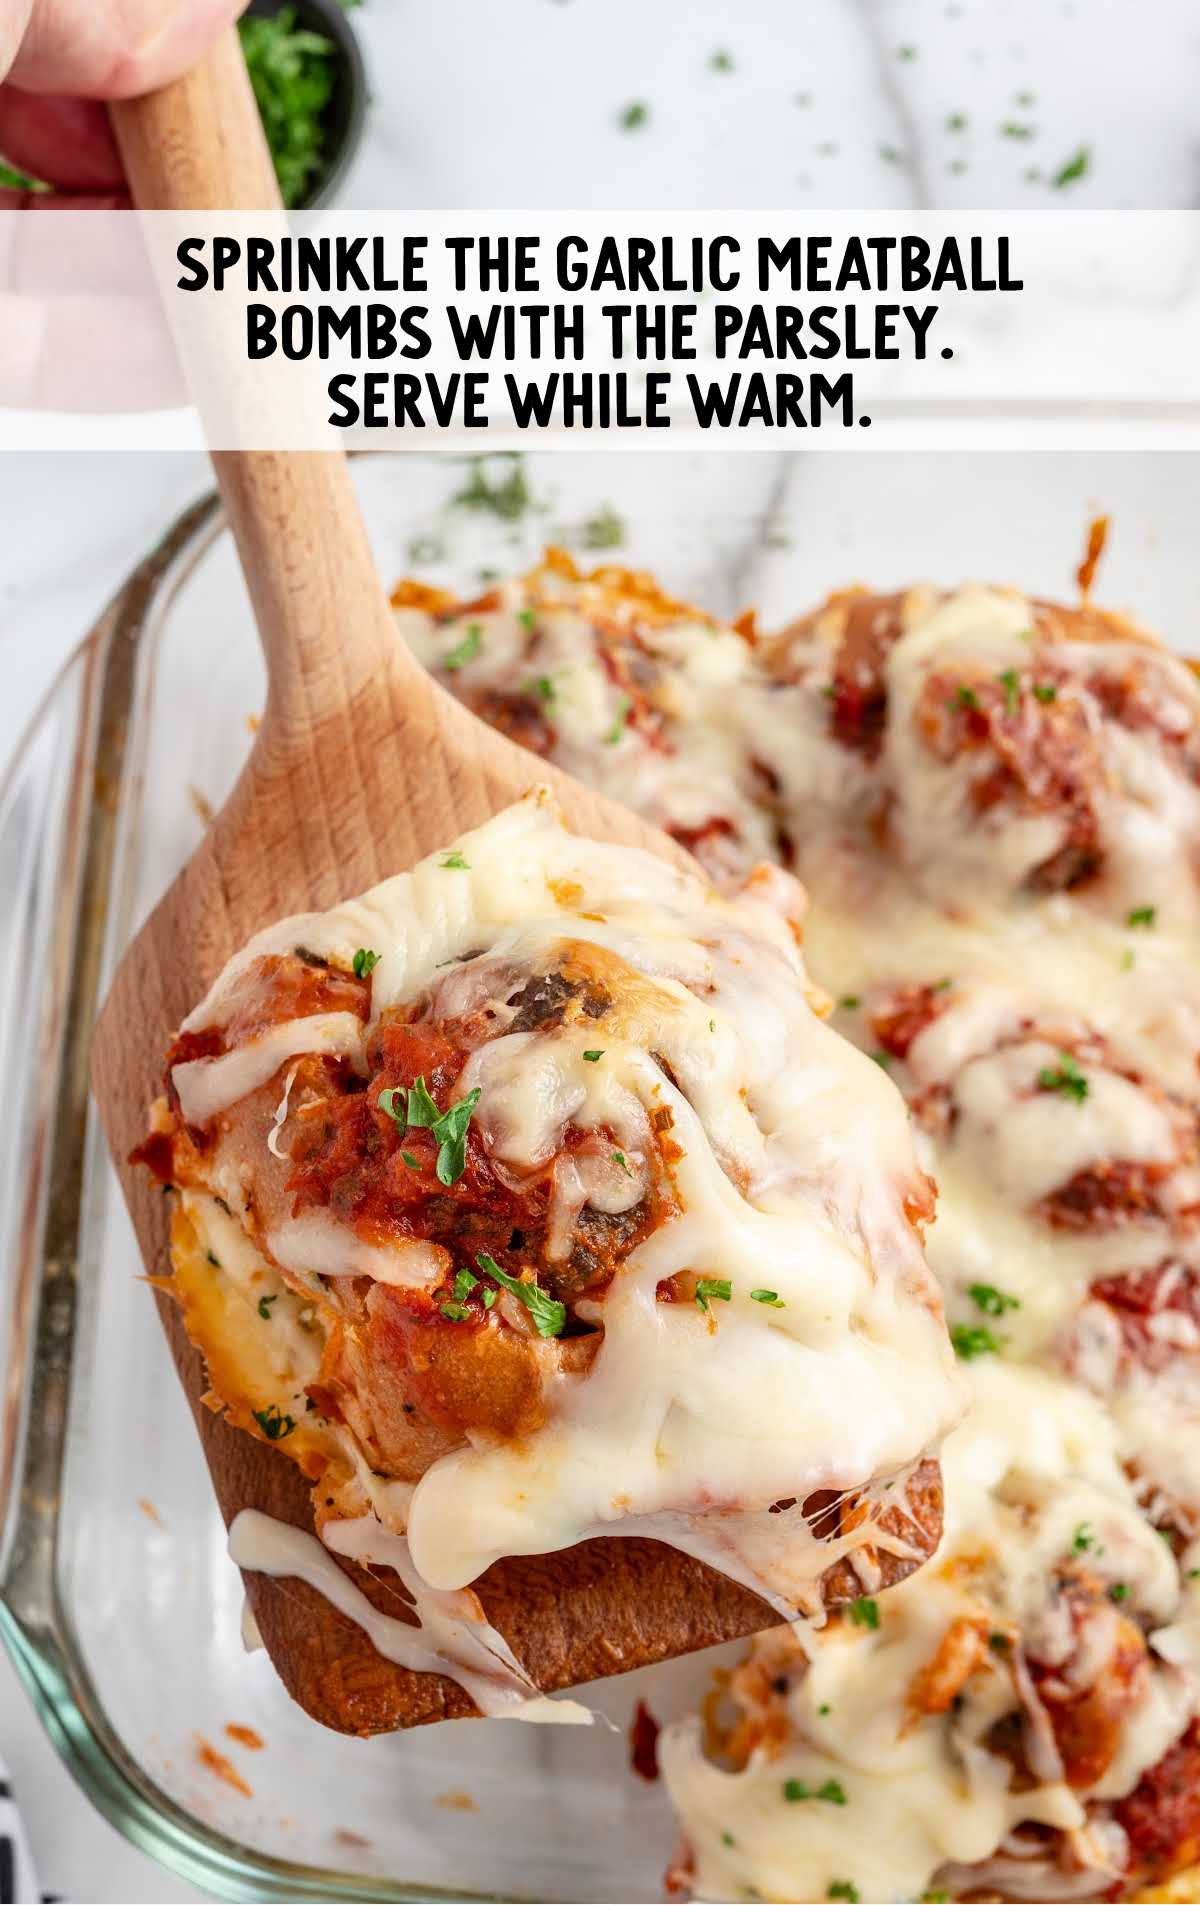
x=455 y=1312
x=264 y=1306
x=449 y=1127
x=1118 y=1592
x=850 y=1003
x=364 y=961
x=1068 y=1080
x=991 y=1301
x=1075 y=168
x=618 y=1157
x=273 y=1423
x=604 y=530
x=507 y=497
x=972 y=1339
x=1010 y=681
x=864 y=1612
x=771 y=1298
x=456 y=862
x=843 y=1888
x=1084 y=1538
x=414 y=1164
x=721 y=61
x=464 y=651
x=718 y=1289
x=594 y=1056
x=527 y=619
x=617 y=729
x=1045 y=691
x=635 y=114
x=964 y=698
x=548 y=1314
x=1142 y=916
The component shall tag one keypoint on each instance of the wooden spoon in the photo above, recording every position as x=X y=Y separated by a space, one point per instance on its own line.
x=362 y=764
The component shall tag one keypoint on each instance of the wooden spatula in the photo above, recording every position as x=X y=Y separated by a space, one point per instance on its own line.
x=361 y=765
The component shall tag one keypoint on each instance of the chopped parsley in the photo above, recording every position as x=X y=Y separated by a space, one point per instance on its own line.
x=1045 y=691
x=548 y=1314
x=935 y=1898
x=618 y=1157
x=903 y=53
x=414 y=1164
x=507 y=497
x=264 y=1306
x=991 y=1301
x=864 y=1612
x=1075 y=168
x=449 y=1128
x=1067 y=1080
x=842 y=1888
x=215 y=1261
x=771 y=1298
x=999 y=1643
x=727 y=1838
x=832 y=1791
x=850 y=1003
x=1084 y=1538
x=973 y=1339
x=716 y=1289
x=604 y=530
x=464 y=1282
x=957 y=122
x=1128 y=958
x=1142 y=916
x=882 y=1059
x=273 y=1423
x=527 y=619
x=1010 y=681
x=455 y=1312
x=635 y=114
x=424 y=549
x=593 y=1057
x=364 y=961
x=542 y=687
x=1118 y=1592
x=464 y=651
x=824 y=1707
x=456 y=862
x=1016 y=129
x=619 y=719
x=293 y=72
x=964 y=698
x=721 y=60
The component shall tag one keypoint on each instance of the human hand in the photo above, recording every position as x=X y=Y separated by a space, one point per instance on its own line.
x=61 y=59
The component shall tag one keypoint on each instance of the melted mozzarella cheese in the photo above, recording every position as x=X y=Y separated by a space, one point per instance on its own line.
x=790 y=1161
x=1043 y=1467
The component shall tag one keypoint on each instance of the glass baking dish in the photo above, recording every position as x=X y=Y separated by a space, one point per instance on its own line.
x=117 y=1602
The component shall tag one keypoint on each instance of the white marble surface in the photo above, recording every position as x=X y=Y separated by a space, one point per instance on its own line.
x=479 y=104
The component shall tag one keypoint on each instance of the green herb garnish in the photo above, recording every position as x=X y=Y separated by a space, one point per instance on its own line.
x=850 y=1003
x=548 y=1314
x=1068 y=1080
x=464 y=651
x=991 y=1301
x=771 y=1298
x=264 y=1306
x=618 y=1157
x=619 y=719
x=1075 y=168
x=843 y=1888
x=449 y=1128
x=972 y=1339
x=456 y=861
x=964 y=698
x=1083 y=1539
x=455 y=1312
x=635 y=114
x=1010 y=681
x=273 y=1424
x=364 y=962
x=1142 y=916
x=1118 y=1592
x=1045 y=691
x=864 y=1612
x=593 y=1057
x=715 y=1289
x=12 y=179
x=604 y=530
x=507 y=497
x=720 y=61
x=293 y=72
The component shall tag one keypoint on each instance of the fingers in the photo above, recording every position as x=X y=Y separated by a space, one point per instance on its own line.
x=118 y=49
x=67 y=142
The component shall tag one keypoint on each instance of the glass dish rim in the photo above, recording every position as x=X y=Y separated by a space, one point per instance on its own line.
x=35 y=1625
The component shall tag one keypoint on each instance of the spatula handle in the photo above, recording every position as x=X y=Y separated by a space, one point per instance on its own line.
x=325 y=624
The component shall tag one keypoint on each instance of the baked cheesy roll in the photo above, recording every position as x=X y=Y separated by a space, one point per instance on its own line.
x=527 y=1198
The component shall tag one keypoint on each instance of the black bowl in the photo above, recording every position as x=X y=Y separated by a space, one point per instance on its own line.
x=347 y=108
